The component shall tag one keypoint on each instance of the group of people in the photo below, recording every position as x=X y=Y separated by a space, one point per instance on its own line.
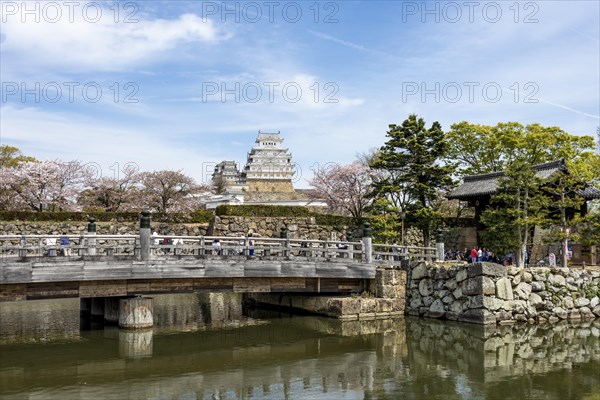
x=64 y=246
x=476 y=254
x=480 y=254
x=165 y=243
x=239 y=248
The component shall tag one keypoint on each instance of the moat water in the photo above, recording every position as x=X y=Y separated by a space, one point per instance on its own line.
x=210 y=347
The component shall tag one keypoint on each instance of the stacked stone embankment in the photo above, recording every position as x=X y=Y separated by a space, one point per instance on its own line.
x=499 y=352
x=102 y=228
x=488 y=293
x=384 y=298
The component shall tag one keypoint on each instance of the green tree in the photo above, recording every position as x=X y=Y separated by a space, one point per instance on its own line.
x=482 y=148
x=413 y=161
x=563 y=191
x=517 y=206
x=590 y=229
x=11 y=156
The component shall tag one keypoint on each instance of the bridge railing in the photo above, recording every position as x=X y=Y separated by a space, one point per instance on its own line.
x=395 y=254
x=78 y=245
x=254 y=246
x=21 y=246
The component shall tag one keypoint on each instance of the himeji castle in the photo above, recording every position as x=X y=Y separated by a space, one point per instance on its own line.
x=265 y=179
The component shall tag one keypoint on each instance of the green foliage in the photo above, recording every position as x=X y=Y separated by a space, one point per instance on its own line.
x=283 y=212
x=11 y=156
x=385 y=221
x=412 y=163
x=198 y=216
x=263 y=211
x=589 y=232
x=483 y=148
x=517 y=206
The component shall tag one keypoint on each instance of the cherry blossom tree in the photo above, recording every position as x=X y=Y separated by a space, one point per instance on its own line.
x=343 y=187
x=169 y=191
x=44 y=185
x=119 y=193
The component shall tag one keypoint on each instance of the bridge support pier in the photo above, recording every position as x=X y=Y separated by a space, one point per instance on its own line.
x=127 y=312
x=136 y=313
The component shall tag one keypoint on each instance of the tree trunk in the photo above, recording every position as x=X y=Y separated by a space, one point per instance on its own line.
x=564 y=256
x=426 y=237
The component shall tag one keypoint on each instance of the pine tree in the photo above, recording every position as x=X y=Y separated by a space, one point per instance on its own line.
x=413 y=159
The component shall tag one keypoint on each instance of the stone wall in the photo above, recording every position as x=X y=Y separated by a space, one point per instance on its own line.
x=488 y=293
x=499 y=352
x=297 y=228
x=266 y=185
x=102 y=228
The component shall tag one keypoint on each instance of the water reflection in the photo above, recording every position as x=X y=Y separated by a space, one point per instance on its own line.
x=197 y=351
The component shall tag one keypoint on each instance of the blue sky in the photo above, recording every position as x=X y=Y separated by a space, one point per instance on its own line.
x=161 y=68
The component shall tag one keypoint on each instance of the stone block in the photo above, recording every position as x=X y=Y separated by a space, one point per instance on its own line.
x=582 y=302
x=477 y=316
x=538 y=286
x=419 y=271
x=560 y=312
x=478 y=285
x=556 y=280
x=504 y=289
x=461 y=275
x=480 y=301
x=451 y=284
x=486 y=269
x=522 y=291
x=425 y=287
x=536 y=301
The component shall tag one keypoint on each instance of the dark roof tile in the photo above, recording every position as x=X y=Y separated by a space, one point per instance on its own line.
x=487 y=184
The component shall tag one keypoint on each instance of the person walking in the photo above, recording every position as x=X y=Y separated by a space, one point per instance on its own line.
x=473 y=255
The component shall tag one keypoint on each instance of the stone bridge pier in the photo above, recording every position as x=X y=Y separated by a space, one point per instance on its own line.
x=134 y=312
x=384 y=298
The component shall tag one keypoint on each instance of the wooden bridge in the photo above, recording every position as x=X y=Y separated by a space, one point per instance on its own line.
x=37 y=267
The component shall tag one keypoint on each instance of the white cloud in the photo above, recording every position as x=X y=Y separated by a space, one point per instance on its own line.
x=101 y=46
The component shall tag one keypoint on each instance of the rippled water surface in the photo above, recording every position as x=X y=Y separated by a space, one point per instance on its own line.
x=207 y=347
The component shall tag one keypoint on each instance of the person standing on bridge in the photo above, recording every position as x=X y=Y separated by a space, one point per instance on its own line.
x=155 y=241
x=50 y=246
x=217 y=247
x=65 y=246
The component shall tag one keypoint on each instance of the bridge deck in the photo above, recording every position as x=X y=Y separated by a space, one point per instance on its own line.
x=96 y=276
